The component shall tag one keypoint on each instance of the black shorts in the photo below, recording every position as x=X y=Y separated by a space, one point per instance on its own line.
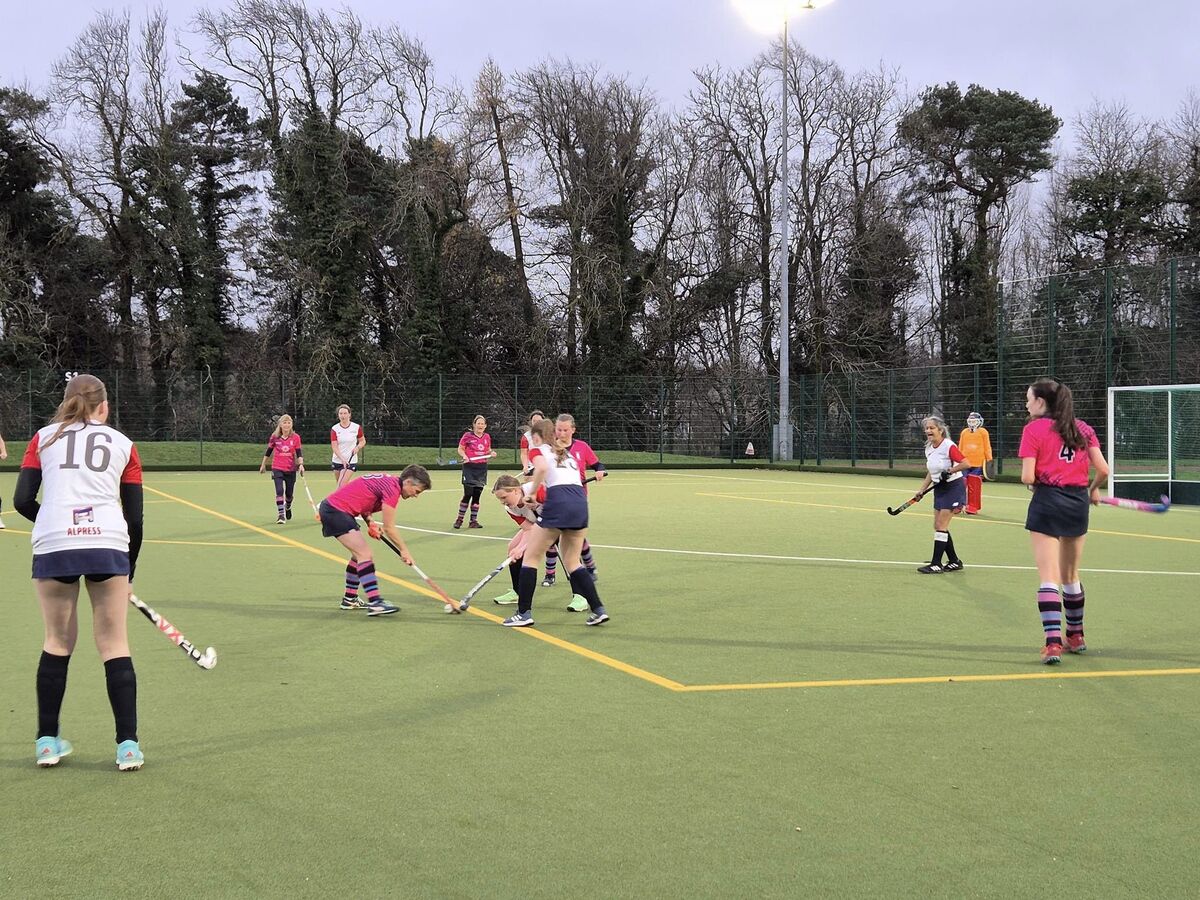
x=93 y=563
x=474 y=475
x=1058 y=511
x=334 y=522
x=337 y=466
x=565 y=507
x=950 y=494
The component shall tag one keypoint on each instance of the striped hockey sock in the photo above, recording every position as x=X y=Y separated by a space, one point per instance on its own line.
x=585 y=556
x=279 y=504
x=1050 y=608
x=474 y=512
x=351 y=580
x=368 y=581
x=1072 y=595
x=552 y=561
x=462 y=512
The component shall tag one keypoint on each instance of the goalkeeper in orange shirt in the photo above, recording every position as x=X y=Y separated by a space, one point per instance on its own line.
x=976 y=445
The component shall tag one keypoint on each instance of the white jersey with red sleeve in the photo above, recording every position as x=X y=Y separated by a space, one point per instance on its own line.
x=943 y=457
x=559 y=473
x=528 y=511
x=82 y=474
x=347 y=438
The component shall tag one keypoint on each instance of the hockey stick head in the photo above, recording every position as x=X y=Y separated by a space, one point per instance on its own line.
x=1164 y=504
x=208 y=660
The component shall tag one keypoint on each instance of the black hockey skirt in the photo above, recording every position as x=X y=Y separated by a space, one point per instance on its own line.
x=950 y=494
x=95 y=563
x=334 y=522
x=474 y=475
x=1058 y=511
x=565 y=507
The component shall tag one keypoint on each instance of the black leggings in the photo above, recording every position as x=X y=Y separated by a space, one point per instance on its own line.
x=285 y=484
x=472 y=494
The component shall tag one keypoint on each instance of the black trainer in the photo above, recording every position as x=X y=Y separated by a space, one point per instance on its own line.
x=931 y=569
x=955 y=565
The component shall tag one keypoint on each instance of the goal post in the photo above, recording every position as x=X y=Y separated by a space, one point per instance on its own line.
x=1154 y=442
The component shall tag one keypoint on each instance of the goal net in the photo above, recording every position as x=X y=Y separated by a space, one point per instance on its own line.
x=1154 y=442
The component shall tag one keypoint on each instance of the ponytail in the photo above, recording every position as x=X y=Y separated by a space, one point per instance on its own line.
x=1060 y=406
x=83 y=396
x=544 y=431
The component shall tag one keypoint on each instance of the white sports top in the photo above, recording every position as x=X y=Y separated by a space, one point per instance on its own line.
x=346 y=439
x=559 y=473
x=938 y=460
x=82 y=473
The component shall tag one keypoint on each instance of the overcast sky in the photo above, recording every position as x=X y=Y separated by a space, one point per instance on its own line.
x=1063 y=52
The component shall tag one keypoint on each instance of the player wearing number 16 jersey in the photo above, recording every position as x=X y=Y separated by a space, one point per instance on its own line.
x=1056 y=452
x=89 y=524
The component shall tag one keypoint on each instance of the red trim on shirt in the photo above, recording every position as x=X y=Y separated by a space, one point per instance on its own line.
x=956 y=455
x=133 y=468
x=31 y=459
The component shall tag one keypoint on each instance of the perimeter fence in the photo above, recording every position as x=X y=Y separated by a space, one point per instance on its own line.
x=1126 y=326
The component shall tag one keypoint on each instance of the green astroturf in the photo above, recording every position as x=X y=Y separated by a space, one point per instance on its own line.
x=429 y=755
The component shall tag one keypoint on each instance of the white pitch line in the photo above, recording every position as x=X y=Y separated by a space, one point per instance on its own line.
x=808 y=559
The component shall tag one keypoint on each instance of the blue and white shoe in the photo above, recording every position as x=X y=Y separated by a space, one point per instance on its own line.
x=598 y=617
x=353 y=603
x=51 y=750
x=129 y=756
x=519 y=620
x=381 y=608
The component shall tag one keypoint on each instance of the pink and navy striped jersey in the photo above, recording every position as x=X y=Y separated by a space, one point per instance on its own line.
x=1056 y=463
x=366 y=494
x=283 y=452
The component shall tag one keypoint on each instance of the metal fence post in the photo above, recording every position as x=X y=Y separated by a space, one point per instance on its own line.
x=732 y=416
x=516 y=417
x=591 y=434
x=662 y=407
x=1108 y=346
x=800 y=417
x=439 y=402
x=891 y=426
x=853 y=421
x=820 y=411
x=1173 y=372
x=977 y=404
x=1051 y=319
x=200 y=418
x=929 y=391
x=999 y=450
x=29 y=379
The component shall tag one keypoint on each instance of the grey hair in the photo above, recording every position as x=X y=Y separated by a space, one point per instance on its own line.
x=939 y=422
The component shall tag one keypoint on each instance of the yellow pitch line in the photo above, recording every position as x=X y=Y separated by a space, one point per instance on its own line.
x=415 y=588
x=931 y=679
x=215 y=543
x=1134 y=534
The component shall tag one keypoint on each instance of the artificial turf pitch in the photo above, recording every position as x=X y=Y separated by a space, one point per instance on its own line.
x=786 y=710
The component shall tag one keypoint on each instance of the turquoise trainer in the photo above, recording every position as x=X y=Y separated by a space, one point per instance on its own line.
x=51 y=750
x=129 y=756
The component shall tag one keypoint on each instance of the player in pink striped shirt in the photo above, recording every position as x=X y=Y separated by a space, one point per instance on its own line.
x=360 y=498
x=1056 y=452
x=475 y=449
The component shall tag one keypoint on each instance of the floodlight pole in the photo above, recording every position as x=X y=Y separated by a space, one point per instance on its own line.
x=784 y=450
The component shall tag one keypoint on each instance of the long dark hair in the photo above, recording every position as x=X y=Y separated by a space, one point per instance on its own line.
x=1060 y=406
x=82 y=397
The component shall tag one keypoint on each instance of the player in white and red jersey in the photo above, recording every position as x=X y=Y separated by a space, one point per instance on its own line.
x=585 y=458
x=944 y=464
x=88 y=524
x=522 y=505
x=523 y=446
x=1056 y=452
x=361 y=498
x=475 y=449
x=346 y=438
x=564 y=518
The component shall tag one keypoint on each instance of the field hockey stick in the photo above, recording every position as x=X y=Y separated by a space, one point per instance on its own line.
x=466 y=601
x=316 y=513
x=1140 y=505
x=907 y=503
x=205 y=660
x=451 y=603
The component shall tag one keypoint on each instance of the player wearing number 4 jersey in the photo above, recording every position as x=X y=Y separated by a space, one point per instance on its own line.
x=1056 y=452
x=89 y=524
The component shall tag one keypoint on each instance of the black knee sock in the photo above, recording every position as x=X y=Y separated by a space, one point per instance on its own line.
x=525 y=588
x=51 y=685
x=951 y=555
x=122 y=694
x=514 y=572
x=939 y=546
x=583 y=585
